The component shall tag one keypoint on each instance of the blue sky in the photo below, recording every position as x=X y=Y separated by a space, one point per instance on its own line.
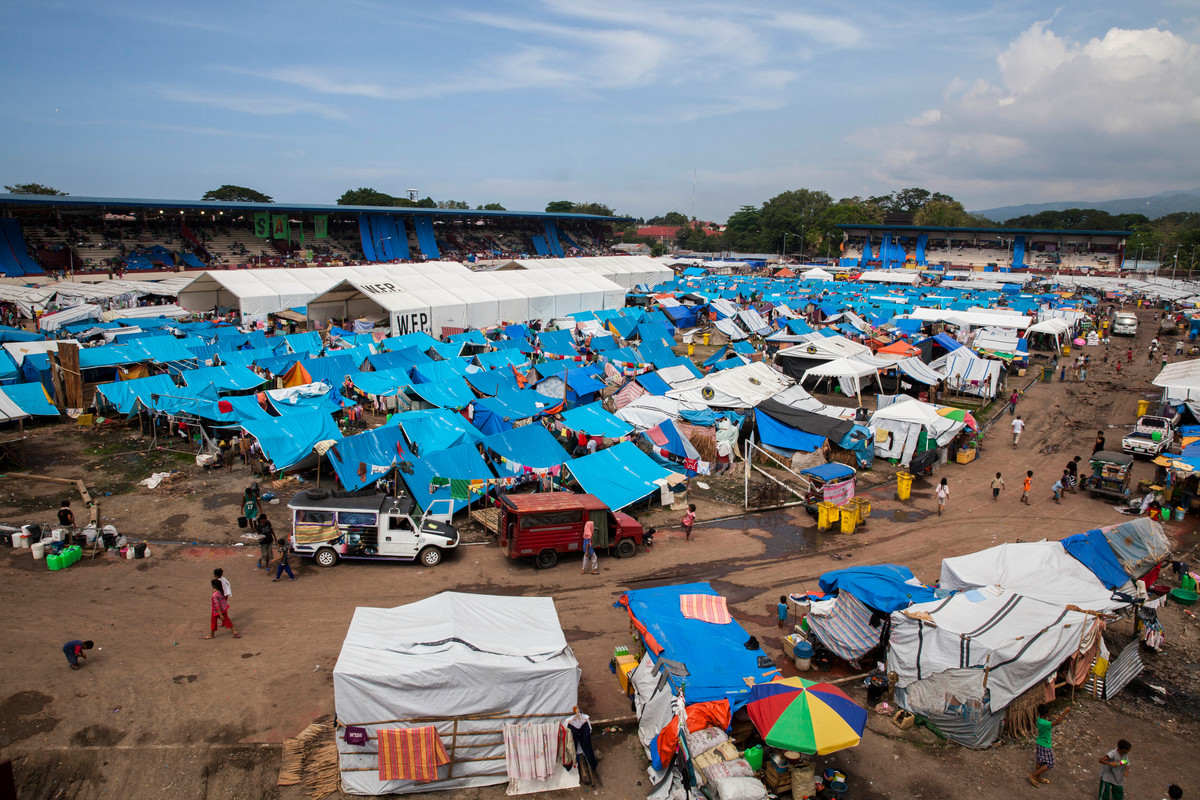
x=641 y=106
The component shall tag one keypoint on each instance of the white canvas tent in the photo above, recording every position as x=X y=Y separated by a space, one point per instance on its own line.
x=445 y=658
x=1055 y=327
x=1180 y=382
x=852 y=374
x=898 y=427
x=910 y=277
x=738 y=387
x=969 y=374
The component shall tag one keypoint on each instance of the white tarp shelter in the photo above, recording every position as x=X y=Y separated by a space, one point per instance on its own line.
x=1180 y=381
x=911 y=277
x=969 y=374
x=1056 y=327
x=451 y=656
x=852 y=374
x=1042 y=570
x=738 y=387
x=898 y=427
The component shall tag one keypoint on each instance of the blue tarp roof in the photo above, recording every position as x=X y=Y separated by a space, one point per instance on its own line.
x=225 y=379
x=384 y=382
x=832 y=471
x=309 y=398
x=462 y=462
x=1092 y=550
x=499 y=413
x=776 y=434
x=620 y=475
x=289 y=440
x=124 y=394
x=435 y=429
x=653 y=384
x=493 y=381
x=883 y=587
x=450 y=393
x=527 y=446
x=716 y=658
x=560 y=343
x=307 y=342
x=32 y=399
x=361 y=460
x=400 y=359
x=594 y=420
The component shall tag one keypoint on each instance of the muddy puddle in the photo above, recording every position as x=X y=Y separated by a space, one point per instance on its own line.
x=777 y=531
x=899 y=514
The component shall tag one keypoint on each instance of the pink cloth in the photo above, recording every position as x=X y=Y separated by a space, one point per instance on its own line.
x=705 y=607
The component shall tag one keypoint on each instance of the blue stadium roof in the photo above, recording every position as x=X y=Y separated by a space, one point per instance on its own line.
x=111 y=203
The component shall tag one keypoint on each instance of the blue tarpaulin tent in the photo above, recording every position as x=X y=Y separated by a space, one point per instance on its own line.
x=457 y=463
x=32 y=399
x=777 y=434
x=435 y=429
x=363 y=459
x=528 y=446
x=288 y=441
x=594 y=420
x=385 y=382
x=123 y=395
x=715 y=655
x=883 y=587
x=225 y=379
x=620 y=475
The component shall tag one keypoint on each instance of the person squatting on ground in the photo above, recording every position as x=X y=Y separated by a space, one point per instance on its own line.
x=1043 y=751
x=220 y=611
x=73 y=650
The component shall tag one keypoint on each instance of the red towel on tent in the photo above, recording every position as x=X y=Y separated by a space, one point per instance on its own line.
x=706 y=607
x=410 y=754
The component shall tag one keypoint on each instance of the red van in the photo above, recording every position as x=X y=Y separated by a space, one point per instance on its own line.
x=544 y=525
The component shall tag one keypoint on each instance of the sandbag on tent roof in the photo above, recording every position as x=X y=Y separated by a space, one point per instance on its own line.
x=32 y=399
x=288 y=441
x=365 y=458
x=1042 y=570
x=225 y=379
x=429 y=660
x=528 y=446
x=619 y=475
x=740 y=387
x=594 y=420
x=714 y=655
x=123 y=395
x=949 y=648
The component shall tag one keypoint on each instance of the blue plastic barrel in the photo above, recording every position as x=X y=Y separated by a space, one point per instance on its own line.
x=802 y=649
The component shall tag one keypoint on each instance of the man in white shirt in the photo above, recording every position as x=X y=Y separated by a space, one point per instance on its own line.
x=1018 y=425
x=226 y=589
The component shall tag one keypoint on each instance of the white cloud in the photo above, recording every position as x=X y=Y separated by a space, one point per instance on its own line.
x=1114 y=114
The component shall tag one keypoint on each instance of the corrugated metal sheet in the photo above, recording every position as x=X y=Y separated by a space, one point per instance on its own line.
x=1125 y=668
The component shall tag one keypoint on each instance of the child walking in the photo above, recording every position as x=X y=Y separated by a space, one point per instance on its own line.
x=1026 y=486
x=943 y=494
x=783 y=610
x=1043 y=751
x=1116 y=770
x=997 y=487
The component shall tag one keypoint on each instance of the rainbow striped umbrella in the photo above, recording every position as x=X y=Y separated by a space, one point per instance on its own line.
x=795 y=714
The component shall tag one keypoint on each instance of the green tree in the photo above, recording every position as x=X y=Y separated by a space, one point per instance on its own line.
x=424 y=202
x=909 y=200
x=34 y=188
x=657 y=249
x=597 y=209
x=491 y=207
x=560 y=207
x=942 y=214
x=236 y=194
x=363 y=196
x=455 y=204
x=670 y=218
x=847 y=211
x=797 y=213
x=743 y=230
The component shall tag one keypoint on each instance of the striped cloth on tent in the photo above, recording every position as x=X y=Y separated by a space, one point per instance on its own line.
x=846 y=630
x=410 y=754
x=705 y=607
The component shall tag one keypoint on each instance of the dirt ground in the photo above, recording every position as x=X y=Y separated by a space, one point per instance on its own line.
x=159 y=712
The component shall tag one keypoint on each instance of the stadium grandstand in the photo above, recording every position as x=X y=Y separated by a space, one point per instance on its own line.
x=990 y=249
x=42 y=234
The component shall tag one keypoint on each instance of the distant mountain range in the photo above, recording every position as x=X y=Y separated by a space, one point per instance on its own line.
x=1153 y=207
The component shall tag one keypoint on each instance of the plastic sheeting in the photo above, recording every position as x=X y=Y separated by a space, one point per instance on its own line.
x=593 y=420
x=884 y=587
x=430 y=659
x=225 y=379
x=32 y=399
x=528 y=446
x=288 y=441
x=715 y=656
x=619 y=475
x=365 y=458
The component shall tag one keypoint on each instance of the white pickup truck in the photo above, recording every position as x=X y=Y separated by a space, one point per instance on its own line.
x=1151 y=436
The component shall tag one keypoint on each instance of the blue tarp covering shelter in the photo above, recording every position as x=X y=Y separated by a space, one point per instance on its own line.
x=832 y=471
x=32 y=399
x=309 y=397
x=493 y=382
x=715 y=656
x=386 y=382
x=1091 y=549
x=502 y=412
x=528 y=446
x=883 y=587
x=407 y=358
x=620 y=475
x=287 y=441
x=594 y=420
x=653 y=384
x=124 y=395
x=450 y=393
x=361 y=460
x=581 y=387
x=457 y=463
x=307 y=342
x=435 y=429
x=776 y=434
x=225 y=379
x=10 y=334
x=560 y=342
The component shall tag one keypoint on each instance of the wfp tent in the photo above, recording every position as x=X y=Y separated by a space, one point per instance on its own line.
x=619 y=475
x=1042 y=570
x=430 y=660
x=960 y=661
x=740 y=387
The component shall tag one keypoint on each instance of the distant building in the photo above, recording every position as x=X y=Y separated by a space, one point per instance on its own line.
x=666 y=234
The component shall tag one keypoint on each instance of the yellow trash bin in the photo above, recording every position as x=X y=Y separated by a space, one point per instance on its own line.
x=903 y=485
x=849 y=519
x=1066 y=349
x=827 y=514
x=1143 y=408
x=704 y=338
x=862 y=508
x=691 y=349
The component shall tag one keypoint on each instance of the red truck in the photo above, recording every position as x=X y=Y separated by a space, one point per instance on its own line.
x=544 y=525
